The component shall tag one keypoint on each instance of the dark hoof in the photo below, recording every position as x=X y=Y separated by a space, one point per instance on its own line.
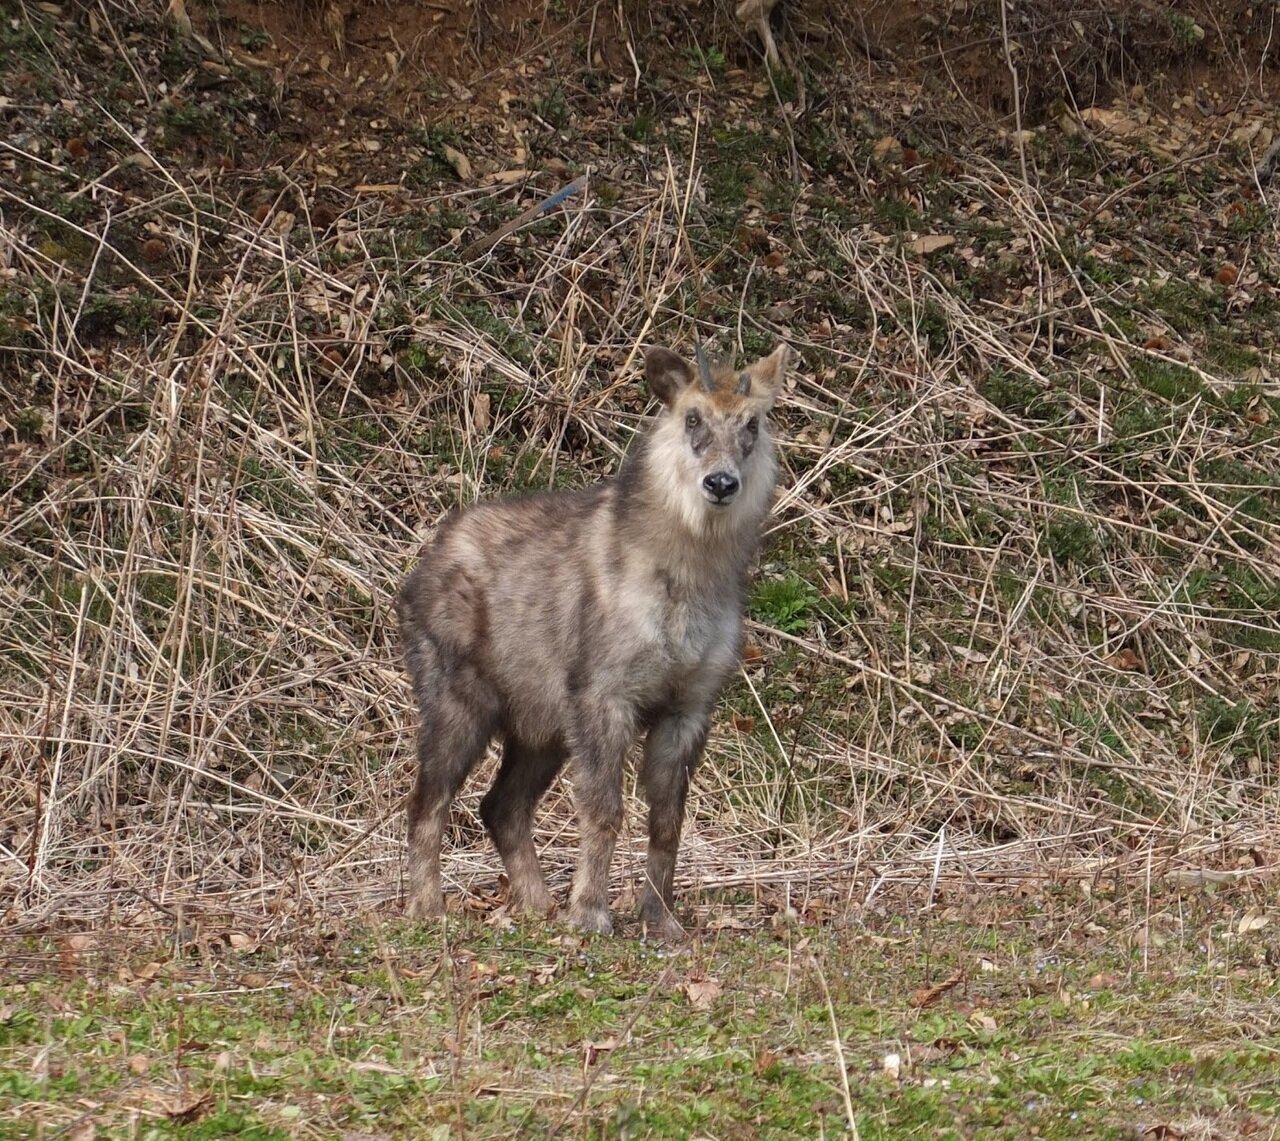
x=665 y=928
x=593 y=920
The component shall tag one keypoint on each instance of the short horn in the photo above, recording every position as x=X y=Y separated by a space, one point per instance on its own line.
x=744 y=384
x=704 y=369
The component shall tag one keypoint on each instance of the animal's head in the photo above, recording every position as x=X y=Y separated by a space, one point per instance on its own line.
x=711 y=449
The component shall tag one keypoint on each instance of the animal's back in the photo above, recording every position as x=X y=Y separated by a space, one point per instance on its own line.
x=505 y=586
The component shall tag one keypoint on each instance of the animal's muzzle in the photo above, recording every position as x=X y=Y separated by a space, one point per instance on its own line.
x=721 y=486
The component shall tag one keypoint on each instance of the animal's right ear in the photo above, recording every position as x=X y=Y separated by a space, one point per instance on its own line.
x=666 y=374
x=764 y=378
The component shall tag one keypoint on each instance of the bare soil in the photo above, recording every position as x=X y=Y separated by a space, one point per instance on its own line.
x=426 y=61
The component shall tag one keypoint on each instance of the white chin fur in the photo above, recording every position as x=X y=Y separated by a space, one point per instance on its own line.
x=686 y=500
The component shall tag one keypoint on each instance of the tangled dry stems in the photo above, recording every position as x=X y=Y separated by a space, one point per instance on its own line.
x=201 y=700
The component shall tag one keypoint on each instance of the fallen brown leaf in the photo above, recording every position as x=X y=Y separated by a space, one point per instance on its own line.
x=1125 y=660
x=930 y=243
x=887 y=149
x=928 y=995
x=460 y=163
x=1255 y=919
x=189 y=1110
x=480 y=412
x=367 y=1067
x=702 y=992
x=591 y=1051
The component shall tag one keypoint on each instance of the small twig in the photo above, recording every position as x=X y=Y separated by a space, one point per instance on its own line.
x=842 y=1067
x=476 y=248
x=601 y=1065
x=1017 y=90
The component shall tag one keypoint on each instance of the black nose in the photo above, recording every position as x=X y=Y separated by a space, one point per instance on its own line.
x=722 y=485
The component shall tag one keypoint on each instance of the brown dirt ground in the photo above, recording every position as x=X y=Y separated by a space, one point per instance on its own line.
x=428 y=60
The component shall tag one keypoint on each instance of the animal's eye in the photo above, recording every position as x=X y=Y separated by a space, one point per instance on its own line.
x=753 y=425
x=692 y=421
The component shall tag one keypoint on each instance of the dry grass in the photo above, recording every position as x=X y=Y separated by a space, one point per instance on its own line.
x=1005 y=671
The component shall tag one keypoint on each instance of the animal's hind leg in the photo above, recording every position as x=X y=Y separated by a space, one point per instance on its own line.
x=452 y=737
x=672 y=750
x=507 y=810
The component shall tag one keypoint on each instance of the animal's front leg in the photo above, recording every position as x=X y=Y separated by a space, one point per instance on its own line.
x=672 y=751
x=602 y=736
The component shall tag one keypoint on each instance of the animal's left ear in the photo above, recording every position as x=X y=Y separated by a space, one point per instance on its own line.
x=666 y=373
x=765 y=376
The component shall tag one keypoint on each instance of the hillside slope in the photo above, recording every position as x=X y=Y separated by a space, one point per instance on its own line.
x=1019 y=604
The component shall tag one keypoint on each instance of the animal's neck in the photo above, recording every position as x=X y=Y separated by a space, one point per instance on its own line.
x=702 y=550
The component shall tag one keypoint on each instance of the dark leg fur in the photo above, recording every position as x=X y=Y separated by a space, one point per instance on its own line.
x=672 y=751
x=507 y=810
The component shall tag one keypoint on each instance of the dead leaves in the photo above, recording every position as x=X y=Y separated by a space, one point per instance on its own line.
x=1255 y=919
x=72 y=954
x=1128 y=124
x=927 y=996
x=887 y=150
x=186 y=1109
x=1227 y=274
x=456 y=159
x=591 y=1051
x=481 y=418
x=702 y=991
x=1125 y=660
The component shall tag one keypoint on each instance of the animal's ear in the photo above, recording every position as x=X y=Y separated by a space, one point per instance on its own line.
x=764 y=378
x=666 y=373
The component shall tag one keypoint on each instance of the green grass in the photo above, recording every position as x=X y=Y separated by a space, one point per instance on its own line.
x=397 y=1028
x=786 y=603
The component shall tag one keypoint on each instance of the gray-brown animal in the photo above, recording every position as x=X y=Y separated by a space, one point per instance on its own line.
x=568 y=623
